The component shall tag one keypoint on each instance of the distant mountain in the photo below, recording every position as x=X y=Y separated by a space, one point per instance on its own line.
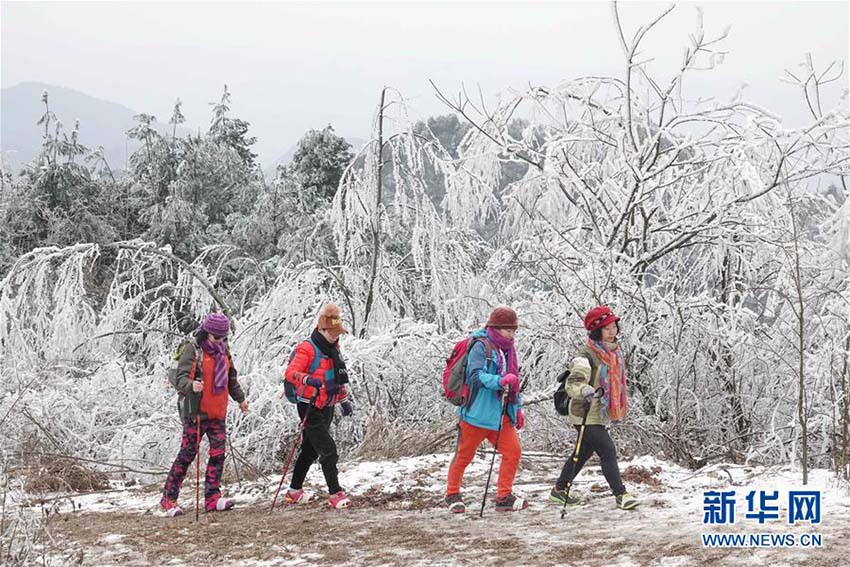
x=102 y=123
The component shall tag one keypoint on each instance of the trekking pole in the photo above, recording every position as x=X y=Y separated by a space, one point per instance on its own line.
x=597 y=394
x=197 y=464
x=495 y=449
x=295 y=443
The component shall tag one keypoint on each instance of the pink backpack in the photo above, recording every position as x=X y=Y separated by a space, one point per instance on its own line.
x=455 y=389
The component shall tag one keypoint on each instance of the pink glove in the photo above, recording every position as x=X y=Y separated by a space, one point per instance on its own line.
x=520 y=419
x=511 y=382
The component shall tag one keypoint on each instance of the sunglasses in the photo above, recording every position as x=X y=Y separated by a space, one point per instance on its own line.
x=218 y=337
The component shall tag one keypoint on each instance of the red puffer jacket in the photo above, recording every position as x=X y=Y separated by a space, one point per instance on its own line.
x=299 y=370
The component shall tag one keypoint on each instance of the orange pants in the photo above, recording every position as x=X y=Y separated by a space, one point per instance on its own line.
x=470 y=438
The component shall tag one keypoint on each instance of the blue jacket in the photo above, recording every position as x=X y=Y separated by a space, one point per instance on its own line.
x=483 y=379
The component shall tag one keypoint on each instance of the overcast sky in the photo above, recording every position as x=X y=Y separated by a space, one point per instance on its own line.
x=292 y=67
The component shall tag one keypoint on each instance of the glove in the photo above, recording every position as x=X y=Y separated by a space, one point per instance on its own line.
x=588 y=392
x=314 y=382
x=347 y=408
x=510 y=381
x=520 y=419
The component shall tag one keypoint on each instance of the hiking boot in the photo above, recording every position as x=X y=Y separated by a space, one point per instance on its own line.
x=626 y=501
x=455 y=503
x=219 y=505
x=339 y=500
x=559 y=496
x=170 y=508
x=297 y=496
x=511 y=503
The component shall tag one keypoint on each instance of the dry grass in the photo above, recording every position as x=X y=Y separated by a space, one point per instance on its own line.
x=385 y=439
x=637 y=474
x=49 y=473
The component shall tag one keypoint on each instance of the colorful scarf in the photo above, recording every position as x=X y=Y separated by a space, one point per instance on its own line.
x=612 y=378
x=505 y=345
x=218 y=351
x=331 y=350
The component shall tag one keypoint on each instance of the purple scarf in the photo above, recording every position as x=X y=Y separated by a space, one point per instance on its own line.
x=506 y=345
x=217 y=350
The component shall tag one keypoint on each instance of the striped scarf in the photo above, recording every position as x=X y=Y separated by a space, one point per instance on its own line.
x=612 y=378
x=218 y=351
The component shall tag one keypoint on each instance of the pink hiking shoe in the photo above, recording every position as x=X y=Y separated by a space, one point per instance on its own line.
x=219 y=505
x=339 y=500
x=297 y=496
x=170 y=508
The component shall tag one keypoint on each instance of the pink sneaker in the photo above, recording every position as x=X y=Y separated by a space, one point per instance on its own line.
x=219 y=505
x=339 y=500
x=170 y=508
x=297 y=496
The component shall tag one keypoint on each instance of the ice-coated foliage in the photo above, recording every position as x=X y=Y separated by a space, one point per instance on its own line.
x=721 y=238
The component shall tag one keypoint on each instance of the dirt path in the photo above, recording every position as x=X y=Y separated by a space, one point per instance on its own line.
x=410 y=527
x=372 y=536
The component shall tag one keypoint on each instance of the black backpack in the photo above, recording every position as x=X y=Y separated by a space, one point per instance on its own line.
x=560 y=397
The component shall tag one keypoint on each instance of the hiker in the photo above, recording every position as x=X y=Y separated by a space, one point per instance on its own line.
x=599 y=363
x=206 y=377
x=317 y=393
x=491 y=371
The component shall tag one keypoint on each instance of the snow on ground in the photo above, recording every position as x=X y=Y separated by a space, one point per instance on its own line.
x=398 y=519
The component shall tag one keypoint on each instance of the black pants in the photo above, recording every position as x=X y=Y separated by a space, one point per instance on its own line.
x=317 y=443
x=595 y=440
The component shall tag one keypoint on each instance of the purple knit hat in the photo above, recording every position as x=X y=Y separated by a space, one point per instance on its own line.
x=216 y=324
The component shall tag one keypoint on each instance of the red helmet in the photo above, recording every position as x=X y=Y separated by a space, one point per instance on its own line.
x=599 y=317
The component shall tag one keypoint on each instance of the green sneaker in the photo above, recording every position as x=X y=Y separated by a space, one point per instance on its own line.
x=559 y=496
x=626 y=501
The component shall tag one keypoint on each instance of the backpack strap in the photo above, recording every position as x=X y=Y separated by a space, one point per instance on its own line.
x=196 y=360
x=562 y=377
x=488 y=345
x=316 y=358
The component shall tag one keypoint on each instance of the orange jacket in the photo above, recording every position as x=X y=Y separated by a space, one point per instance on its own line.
x=298 y=371
x=212 y=404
